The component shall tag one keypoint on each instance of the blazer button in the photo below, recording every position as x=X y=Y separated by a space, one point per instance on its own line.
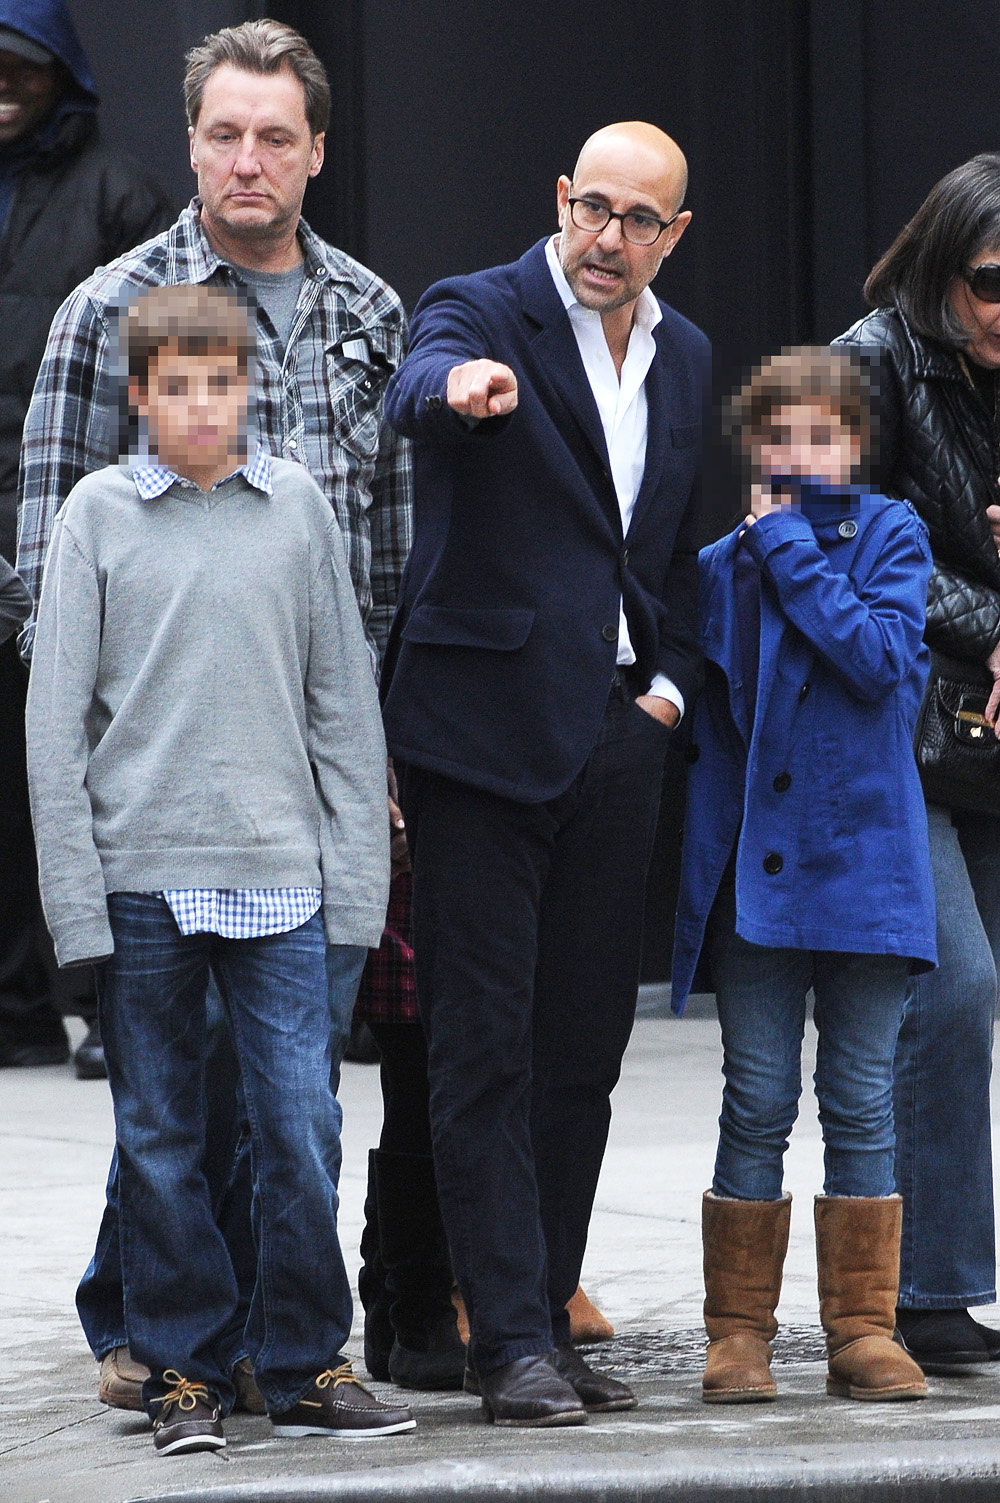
x=848 y=529
x=692 y=754
x=803 y=692
x=432 y=404
x=773 y=863
x=609 y=633
x=783 y=782
x=624 y=557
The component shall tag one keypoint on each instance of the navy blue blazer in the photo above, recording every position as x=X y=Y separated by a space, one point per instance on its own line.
x=506 y=634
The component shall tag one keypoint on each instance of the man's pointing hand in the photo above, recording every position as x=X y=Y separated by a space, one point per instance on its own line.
x=482 y=389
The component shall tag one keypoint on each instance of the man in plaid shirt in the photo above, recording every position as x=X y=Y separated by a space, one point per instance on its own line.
x=329 y=336
x=319 y=395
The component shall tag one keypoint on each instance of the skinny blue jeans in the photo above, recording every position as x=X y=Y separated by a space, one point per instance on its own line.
x=761 y=998
x=180 y=1288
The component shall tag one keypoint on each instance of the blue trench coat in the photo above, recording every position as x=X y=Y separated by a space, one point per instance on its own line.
x=822 y=791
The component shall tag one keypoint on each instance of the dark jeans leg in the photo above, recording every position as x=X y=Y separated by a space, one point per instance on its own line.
x=406 y=1122
x=482 y=872
x=587 y=981
x=944 y=1169
x=479 y=866
x=180 y=1292
x=226 y=1166
x=100 y=1294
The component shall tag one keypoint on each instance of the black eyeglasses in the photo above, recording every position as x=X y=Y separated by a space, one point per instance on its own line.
x=984 y=281
x=638 y=229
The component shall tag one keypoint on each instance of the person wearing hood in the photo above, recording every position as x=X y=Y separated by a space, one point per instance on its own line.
x=68 y=203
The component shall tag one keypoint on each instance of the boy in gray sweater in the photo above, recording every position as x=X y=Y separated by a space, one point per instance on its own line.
x=207 y=775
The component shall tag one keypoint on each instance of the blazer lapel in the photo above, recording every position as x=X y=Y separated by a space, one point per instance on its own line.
x=556 y=348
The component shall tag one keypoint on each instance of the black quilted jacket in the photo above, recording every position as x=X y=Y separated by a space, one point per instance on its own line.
x=937 y=448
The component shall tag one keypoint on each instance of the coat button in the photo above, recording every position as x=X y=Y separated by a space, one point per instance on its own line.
x=783 y=782
x=609 y=633
x=773 y=863
x=803 y=691
x=624 y=558
x=692 y=753
x=848 y=529
x=432 y=404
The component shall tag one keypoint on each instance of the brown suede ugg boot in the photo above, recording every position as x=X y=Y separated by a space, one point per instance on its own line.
x=857 y=1253
x=744 y=1245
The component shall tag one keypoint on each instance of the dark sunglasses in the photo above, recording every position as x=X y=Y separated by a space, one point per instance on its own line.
x=984 y=281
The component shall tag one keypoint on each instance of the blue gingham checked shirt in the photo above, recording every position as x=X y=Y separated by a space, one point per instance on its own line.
x=232 y=912
x=319 y=401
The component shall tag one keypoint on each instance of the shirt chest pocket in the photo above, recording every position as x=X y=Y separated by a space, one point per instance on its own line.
x=356 y=374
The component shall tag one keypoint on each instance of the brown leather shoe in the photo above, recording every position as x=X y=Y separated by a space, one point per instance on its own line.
x=339 y=1406
x=189 y=1419
x=121 y=1380
x=249 y=1398
x=599 y=1393
x=531 y=1393
x=586 y=1323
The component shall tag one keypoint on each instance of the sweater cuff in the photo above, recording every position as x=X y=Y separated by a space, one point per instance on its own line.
x=82 y=941
x=351 y=925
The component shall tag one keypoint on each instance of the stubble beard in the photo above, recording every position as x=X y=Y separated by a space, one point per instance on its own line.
x=594 y=301
x=263 y=232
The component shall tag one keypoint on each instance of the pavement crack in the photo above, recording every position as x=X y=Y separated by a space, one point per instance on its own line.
x=22 y=1445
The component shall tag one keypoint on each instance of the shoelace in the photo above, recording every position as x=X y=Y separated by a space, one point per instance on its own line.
x=335 y=1376
x=185 y=1394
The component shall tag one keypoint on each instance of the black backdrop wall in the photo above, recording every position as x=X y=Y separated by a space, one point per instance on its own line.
x=813 y=129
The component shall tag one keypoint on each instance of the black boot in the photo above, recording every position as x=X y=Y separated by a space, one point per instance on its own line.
x=428 y=1352
x=372 y=1290
x=944 y=1339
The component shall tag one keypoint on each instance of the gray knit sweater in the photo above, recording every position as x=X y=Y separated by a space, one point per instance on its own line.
x=201 y=710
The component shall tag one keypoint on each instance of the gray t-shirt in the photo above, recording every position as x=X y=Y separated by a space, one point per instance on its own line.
x=277 y=292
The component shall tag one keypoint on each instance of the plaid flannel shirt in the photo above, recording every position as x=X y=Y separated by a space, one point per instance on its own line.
x=319 y=402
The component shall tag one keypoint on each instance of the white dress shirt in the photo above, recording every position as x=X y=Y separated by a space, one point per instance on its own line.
x=624 y=417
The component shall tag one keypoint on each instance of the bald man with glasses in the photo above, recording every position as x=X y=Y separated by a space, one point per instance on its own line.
x=543 y=652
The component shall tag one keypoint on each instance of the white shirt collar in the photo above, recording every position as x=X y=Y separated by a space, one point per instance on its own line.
x=648 y=312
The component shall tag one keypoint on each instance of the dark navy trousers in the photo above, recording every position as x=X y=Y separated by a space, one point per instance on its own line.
x=527 y=934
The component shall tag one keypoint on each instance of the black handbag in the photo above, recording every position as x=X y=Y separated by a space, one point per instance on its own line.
x=957 y=753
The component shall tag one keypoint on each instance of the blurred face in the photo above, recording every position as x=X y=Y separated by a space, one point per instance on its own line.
x=254 y=152
x=195 y=409
x=604 y=270
x=27 y=93
x=980 y=318
x=805 y=438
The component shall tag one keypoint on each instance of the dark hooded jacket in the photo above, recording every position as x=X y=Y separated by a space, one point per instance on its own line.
x=76 y=204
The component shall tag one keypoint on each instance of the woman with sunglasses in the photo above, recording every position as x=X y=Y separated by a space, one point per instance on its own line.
x=934 y=341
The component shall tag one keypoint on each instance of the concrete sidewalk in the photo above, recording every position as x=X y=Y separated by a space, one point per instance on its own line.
x=57 y=1443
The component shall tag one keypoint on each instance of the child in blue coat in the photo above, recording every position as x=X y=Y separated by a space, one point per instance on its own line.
x=806 y=865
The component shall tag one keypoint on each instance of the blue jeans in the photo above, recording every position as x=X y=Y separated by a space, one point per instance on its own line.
x=180 y=1288
x=100 y=1295
x=944 y=1167
x=761 y=997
